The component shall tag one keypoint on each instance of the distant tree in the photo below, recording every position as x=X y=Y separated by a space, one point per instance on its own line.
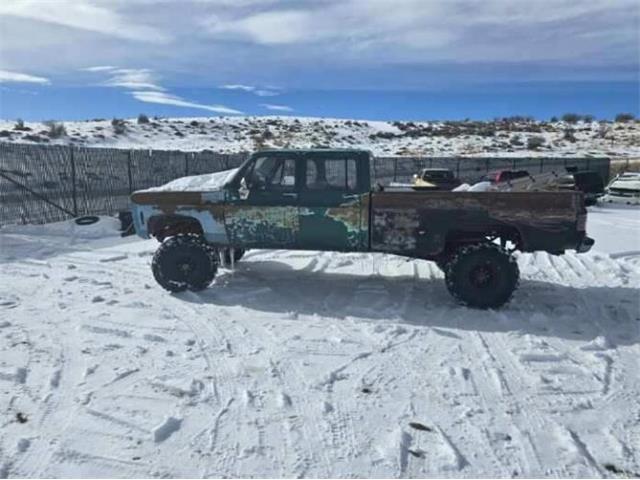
x=571 y=118
x=119 y=126
x=588 y=118
x=569 y=135
x=56 y=130
x=19 y=124
x=535 y=142
x=142 y=119
x=625 y=117
x=553 y=119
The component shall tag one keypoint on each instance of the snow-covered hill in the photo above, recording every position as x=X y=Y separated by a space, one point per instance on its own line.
x=315 y=364
x=241 y=134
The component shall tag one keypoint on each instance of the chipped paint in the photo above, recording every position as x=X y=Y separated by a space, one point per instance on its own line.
x=395 y=230
x=267 y=226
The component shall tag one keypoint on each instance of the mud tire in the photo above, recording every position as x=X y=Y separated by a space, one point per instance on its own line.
x=183 y=262
x=482 y=276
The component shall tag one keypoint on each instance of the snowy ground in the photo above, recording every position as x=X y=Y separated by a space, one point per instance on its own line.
x=245 y=134
x=315 y=364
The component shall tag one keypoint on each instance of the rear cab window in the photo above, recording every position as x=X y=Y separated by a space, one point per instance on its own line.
x=331 y=174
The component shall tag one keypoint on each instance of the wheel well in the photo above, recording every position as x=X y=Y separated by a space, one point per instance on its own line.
x=163 y=226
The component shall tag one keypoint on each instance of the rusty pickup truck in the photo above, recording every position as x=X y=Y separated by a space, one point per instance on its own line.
x=324 y=200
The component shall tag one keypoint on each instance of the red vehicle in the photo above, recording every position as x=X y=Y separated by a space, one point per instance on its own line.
x=500 y=176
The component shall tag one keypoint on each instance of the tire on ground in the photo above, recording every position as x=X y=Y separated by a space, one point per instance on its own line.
x=482 y=276
x=183 y=262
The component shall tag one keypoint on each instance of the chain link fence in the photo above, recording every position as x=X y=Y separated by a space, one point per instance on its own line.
x=40 y=184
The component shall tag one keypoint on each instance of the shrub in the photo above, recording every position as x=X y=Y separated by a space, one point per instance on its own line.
x=535 y=142
x=569 y=135
x=56 y=130
x=516 y=141
x=625 y=117
x=571 y=117
x=119 y=126
x=142 y=119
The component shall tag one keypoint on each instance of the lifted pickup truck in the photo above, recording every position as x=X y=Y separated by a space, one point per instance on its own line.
x=324 y=200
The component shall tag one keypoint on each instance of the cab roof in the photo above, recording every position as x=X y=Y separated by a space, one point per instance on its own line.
x=313 y=150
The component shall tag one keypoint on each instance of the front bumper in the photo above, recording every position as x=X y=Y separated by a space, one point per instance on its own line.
x=585 y=244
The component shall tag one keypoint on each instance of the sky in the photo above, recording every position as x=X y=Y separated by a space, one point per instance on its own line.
x=375 y=59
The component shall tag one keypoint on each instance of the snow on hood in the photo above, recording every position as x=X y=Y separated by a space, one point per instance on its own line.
x=196 y=183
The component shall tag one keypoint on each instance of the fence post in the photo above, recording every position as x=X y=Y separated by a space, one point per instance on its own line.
x=458 y=168
x=74 y=193
x=186 y=164
x=395 y=169
x=129 y=175
x=541 y=164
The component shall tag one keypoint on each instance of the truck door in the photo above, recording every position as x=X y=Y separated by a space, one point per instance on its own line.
x=264 y=214
x=333 y=204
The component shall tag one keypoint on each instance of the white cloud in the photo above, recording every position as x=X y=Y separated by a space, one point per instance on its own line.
x=245 y=88
x=266 y=93
x=269 y=28
x=16 y=77
x=133 y=79
x=99 y=68
x=168 y=99
x=421 y=31
x=261 y=92
x=322 y=44
x=83 y=15
x=277 y=108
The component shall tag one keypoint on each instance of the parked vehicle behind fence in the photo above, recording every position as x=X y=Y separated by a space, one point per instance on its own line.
x=624 y=188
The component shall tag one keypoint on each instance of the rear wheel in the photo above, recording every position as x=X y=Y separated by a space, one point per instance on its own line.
x=183 y=262
x=482 y=276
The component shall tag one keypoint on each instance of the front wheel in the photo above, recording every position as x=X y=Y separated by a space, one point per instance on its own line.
x=482 y=276
x=183 y=262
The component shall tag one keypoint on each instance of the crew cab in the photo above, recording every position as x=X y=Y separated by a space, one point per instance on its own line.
x=324 y=200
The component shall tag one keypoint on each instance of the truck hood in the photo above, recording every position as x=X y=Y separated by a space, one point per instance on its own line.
x=196 y=183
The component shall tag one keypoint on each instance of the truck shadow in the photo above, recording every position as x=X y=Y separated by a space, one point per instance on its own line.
x=538 y=308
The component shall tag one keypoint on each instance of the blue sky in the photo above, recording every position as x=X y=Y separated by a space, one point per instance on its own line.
x=377 y=59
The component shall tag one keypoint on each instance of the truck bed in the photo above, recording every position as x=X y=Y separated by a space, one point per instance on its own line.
x=419 y=223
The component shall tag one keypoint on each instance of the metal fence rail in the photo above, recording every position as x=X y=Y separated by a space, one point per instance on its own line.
x=40 y=184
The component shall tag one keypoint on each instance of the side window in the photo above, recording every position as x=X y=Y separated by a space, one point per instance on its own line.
x=271 y=173
x=283 y=177
x=331 y=174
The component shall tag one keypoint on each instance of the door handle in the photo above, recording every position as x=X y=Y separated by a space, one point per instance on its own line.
x=290 y=195
x=350 y=196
